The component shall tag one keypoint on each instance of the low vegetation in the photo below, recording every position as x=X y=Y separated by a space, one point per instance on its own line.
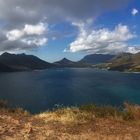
x=89 y=112
x=87 y=122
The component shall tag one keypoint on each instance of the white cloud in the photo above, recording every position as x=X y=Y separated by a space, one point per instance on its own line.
x=30 y=35
x=134 y=11
x=34 y=29
x=20 y=17
x=102 y=40
x=35 y=41
x=16 y=34
x=133 y=49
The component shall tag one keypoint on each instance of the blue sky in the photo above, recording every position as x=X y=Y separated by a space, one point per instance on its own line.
x=55 y=29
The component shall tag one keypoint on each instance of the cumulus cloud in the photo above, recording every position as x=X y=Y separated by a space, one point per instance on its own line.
x=15 y=34
x=35 y=41
x=20 y=18
x=34 y=29
x=102 y=40
x=134 y=49
x=29 y=37
x=134 y=11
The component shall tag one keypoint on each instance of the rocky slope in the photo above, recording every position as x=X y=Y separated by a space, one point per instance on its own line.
x=125 y=62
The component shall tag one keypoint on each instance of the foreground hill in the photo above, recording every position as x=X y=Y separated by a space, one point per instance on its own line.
x=125 y=62
x=84 y=123
x=96 y=58
x=18 y=62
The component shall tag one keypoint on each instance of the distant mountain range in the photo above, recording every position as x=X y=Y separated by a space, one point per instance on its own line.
x=68 y=63
x=22 y=62
x=87 y=61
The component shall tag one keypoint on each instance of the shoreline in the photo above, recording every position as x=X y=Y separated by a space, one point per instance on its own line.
x=61 y=68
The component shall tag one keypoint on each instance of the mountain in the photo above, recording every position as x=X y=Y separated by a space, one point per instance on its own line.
x=125 y=62
x=87 y=61
x=65 y=63
x=5 y=68
x=21 y=62
x=96 y=58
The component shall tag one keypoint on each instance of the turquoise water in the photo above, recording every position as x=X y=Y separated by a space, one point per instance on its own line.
x=42 y=90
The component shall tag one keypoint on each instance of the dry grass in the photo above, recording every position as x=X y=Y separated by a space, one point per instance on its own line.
x=83 y=113
x=20 y=111
x=17 y=111
x=68 y=115
x=87 y=113
x=88 y=122
x=131 y=111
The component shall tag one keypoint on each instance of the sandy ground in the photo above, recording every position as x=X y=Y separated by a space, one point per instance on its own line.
x=15 y=126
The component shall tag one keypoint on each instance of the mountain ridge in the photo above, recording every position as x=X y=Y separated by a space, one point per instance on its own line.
x=64 y=62
x=125 y=62
x=23 y=62
x=96 y=58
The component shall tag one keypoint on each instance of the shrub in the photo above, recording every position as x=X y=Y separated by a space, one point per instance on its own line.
x=131 y=111
x=101 y=111
x=3 y=104
x=20 y=111
x=73 y=115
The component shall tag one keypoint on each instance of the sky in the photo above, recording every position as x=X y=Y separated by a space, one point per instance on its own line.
x=54 y=29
